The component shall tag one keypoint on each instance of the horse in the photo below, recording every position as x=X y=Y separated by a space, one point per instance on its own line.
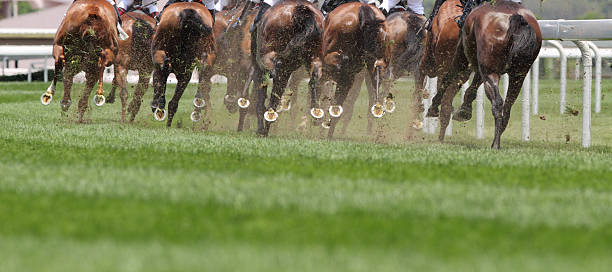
x=496 y=39
x=288 y=37
x=86 y=40
x=355 y=34
x=134 y=54
x=183 y=40
x=233 y=59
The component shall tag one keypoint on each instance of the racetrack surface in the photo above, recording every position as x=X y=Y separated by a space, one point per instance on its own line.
x=106 y=196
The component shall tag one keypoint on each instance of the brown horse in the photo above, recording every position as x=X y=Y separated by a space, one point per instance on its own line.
x=86 y=40
x=288 y=37
x=183 y=40
x=496 y=39
x=355 y=34
x=233 y=58
x=134 y=54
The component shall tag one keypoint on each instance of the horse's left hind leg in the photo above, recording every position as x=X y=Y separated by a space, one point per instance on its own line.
x=516 y=83
x=465 y=111
x=121 y=76
x=342 y=90
x=278 y=87
x=491 y=82
x=143 y=84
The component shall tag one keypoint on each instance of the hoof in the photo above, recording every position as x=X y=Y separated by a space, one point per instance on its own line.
x=160 y=114
x=66 y=105
x=195 y=116
x=433 y=112
x=46 y=98
x=389 y=105
x=462 y=115
x=285 y=106
x=99 y=100
x=270 y=115
x=199 y=102
x=317 y=113
x=326 y=124
x=377 y=110
x=243 y=103
x=335 y=111
x=425 y=95
x=417 y=124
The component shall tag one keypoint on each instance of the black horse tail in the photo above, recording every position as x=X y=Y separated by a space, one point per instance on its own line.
x=192 y=28
x=305 y=31
x=142 y=33
x=369 y=25
x=523 y=41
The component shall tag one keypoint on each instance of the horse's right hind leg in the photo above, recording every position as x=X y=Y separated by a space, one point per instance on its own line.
x=516 y=83
x=92 y=78
x=121 y=76
x=183 y=80
x=491 y=89
x=47 y=96
x=68 y=77
x=350 y=101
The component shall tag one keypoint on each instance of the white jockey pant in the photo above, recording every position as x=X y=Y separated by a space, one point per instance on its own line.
x=414 y=5
x=151 y=5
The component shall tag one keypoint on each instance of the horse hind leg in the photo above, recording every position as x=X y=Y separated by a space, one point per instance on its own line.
x=183 y=80
x=278 y=87
x=349 y=103
x=111 y=95
x=141 y=88
x=121 y=76
x=464 y=113
x=68 y=77
x=516 y=83
x=491 y=82
x=91 y=79
x=342 y=90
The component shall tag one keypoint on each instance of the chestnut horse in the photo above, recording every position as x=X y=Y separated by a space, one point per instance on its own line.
x=86 y=40
x=496 y=39
x=183 y=40
x=134 y=54
x=355 y=34
x=288 y=37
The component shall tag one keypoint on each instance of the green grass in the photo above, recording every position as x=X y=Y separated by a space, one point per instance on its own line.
x=106 y=196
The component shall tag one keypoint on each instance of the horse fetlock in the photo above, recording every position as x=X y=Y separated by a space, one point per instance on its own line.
x=463 y=114
x=433 y=112
x=65 y=105
x=389 y=105
x=326 y=124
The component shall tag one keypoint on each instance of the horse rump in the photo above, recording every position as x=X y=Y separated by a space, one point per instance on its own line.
x=368 y=25
x=524 y=45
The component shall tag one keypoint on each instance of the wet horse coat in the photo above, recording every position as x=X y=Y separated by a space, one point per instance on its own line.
x=86 y=40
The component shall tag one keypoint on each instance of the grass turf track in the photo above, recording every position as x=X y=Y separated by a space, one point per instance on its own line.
x=107 y=196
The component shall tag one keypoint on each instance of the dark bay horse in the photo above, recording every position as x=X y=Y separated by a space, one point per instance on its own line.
x=134 y=54
x=183 y=40
x=355 y=37
x=496 y=39
x=86 y=40
x=288 y=38
x=233 y=59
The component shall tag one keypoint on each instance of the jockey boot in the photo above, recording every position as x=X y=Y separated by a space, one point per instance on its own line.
x=467 y=8
x=262 y=9
x=154 y=15
x=122 y=35
x=121 y=11
x=212 y=13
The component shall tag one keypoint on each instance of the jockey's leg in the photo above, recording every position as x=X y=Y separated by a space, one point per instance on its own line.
x=210 y=5
x=122 y=34
x=151 y=5
x=123 y=5
x=158 y=17
x=469 y=5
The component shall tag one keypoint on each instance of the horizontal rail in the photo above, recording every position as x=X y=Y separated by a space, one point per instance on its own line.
x=25 y=51
x=576 y=30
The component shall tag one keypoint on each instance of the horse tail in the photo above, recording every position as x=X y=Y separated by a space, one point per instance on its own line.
x=414 y=39
x=305 y=30
x=142 y=33
x=192 y=26
x=368 y=25
x=522 y=38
